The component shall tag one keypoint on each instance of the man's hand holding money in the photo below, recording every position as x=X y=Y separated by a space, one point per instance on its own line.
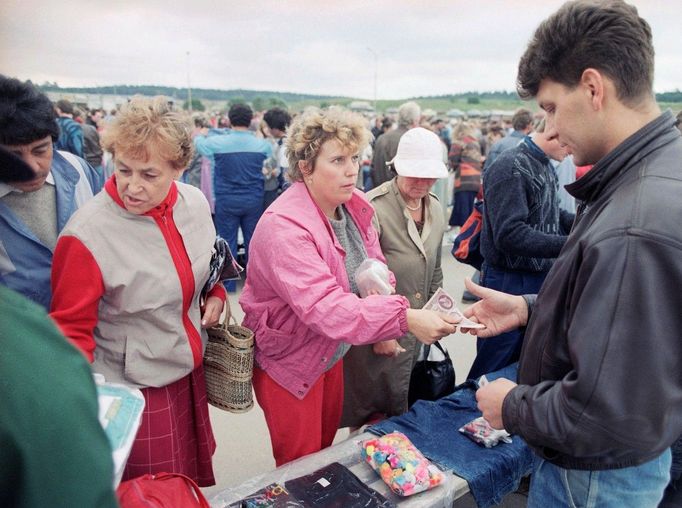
x=498 y=311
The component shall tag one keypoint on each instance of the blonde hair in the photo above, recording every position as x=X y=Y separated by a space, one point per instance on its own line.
x=461 y=130
x=146 y=124
x=310 y=130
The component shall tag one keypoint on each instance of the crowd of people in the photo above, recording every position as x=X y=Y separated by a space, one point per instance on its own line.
x=108 y=224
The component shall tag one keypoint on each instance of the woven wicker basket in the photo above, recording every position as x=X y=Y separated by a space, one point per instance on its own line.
x=228 y=366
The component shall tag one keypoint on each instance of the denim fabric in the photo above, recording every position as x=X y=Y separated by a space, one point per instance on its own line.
x=641 y=486
x=676 y=469
x=229 y=218
x=497 y=352
x=28 y=261
x=673 y=493
x=433 y=427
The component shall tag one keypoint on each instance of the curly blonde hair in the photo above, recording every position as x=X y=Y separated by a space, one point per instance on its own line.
x=146 y=124
x=311 y=129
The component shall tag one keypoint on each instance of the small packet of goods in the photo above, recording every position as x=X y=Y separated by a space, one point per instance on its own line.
x=372 y=277
x=401 y=466
x=480 y=431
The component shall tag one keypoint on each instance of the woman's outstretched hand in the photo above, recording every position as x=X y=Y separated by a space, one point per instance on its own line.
x=429 y=326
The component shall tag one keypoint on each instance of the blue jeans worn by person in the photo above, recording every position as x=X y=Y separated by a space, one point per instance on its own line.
x=638 y=486
x=231 y=215
x=497 y=352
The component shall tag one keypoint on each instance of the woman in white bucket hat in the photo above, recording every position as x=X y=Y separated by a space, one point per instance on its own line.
x=411 y=223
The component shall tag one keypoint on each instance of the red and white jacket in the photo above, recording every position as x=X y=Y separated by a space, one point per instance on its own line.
x=126 y=287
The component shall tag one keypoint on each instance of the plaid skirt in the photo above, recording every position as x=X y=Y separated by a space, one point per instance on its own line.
x=175 y=435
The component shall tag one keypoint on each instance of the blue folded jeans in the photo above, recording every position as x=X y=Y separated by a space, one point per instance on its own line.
x=433 y=427
x=641 y=486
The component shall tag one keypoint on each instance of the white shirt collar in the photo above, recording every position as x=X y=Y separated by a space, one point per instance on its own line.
x=6 y=188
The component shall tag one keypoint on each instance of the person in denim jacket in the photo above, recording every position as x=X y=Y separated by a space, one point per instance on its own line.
x=300 y=297
x=33 y=213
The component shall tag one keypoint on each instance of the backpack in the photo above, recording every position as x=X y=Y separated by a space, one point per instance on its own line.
x=161 y=490
x=466 y=247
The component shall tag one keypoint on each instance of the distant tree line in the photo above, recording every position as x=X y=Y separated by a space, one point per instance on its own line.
x=675 y=96
x=199 y=93
x=477 y=97
x=258 y=103
x=262 y=99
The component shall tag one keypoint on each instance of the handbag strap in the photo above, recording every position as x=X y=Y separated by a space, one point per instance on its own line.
x=439 y=346
x=197 y=491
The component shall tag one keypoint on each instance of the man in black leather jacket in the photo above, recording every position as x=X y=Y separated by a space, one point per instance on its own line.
x=599 y=397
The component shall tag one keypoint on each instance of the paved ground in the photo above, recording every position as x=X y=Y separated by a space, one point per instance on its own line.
x=243 y=441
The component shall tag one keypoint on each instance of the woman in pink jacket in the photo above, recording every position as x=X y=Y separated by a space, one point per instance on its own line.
x=300 y=298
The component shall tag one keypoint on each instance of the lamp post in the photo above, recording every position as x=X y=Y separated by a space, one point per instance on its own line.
x=189 y=88
x=376 y=67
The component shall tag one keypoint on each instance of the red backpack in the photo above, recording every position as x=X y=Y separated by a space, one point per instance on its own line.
x=162 y=490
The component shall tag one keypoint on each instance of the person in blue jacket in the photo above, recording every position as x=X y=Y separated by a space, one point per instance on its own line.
x=43 y=461
x=32 y=213
x=238 y=160
x=70 y=136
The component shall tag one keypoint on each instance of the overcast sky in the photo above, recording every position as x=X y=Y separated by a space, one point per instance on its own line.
x=308 y=46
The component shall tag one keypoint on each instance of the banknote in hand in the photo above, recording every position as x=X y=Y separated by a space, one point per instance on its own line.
x=443 y=302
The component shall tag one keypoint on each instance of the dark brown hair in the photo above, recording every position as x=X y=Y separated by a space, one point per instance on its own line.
x=609 y=36
x=522 y=119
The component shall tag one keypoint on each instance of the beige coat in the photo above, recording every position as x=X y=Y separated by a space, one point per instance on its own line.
x=379 y=384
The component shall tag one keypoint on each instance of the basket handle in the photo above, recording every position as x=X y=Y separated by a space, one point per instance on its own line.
x=229 y=317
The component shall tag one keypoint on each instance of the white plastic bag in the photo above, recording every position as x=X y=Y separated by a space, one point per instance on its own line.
x=371 y=277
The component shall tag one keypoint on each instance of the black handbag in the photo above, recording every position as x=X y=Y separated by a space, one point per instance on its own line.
x=431 y=379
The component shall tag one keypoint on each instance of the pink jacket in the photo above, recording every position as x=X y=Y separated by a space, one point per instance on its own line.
x=297 y=299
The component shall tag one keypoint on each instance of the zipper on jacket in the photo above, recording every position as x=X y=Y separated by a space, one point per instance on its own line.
x=185 y=274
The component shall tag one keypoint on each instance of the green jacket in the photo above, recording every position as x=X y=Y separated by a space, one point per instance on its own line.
x=53 y=450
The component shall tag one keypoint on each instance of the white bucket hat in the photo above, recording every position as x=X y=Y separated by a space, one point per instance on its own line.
x=420 y=155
